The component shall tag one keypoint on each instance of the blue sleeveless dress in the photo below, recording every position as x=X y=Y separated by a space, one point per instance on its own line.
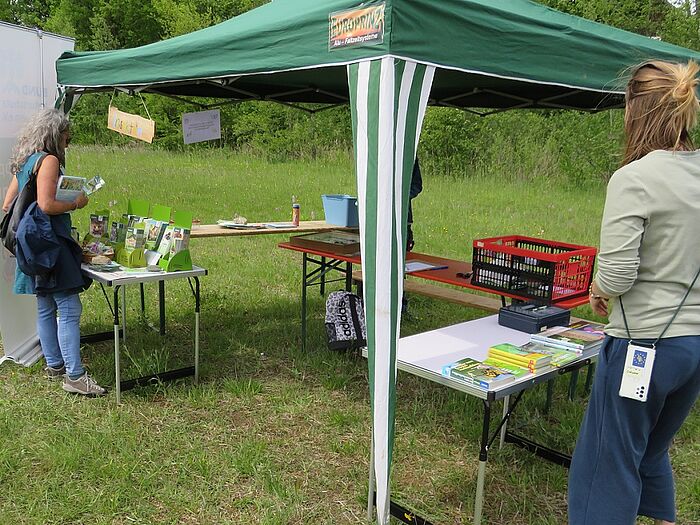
x=24 y=284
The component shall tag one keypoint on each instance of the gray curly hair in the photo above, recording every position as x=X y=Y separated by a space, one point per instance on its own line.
x=42 y=133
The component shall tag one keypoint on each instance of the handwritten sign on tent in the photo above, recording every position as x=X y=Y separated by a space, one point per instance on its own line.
x=132 y=125
x=201 y=126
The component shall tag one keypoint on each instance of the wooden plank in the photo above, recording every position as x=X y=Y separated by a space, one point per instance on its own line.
x=214 y=230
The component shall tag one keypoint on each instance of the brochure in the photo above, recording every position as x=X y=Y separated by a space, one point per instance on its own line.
x=69 y=188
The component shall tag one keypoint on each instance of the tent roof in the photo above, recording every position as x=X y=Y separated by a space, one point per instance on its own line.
x=505 y=54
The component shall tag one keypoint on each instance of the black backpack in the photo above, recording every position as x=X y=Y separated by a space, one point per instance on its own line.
x=10 y=222
x=345 y=321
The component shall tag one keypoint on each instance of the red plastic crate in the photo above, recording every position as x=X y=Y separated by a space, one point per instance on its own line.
x=533 y=269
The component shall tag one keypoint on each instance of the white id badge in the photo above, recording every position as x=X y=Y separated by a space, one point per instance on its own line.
x=636 y=375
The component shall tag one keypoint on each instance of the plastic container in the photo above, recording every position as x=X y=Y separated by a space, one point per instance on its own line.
x=341 y=210
x=532 y=269
x=531 y=318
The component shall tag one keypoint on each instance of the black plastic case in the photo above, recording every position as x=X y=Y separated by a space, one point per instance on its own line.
x=532 y=318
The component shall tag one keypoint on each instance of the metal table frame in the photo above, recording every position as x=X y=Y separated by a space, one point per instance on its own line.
x=118 y=281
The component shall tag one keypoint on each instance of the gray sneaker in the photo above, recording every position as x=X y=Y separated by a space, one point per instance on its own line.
x=54 y=374
x=84 y=385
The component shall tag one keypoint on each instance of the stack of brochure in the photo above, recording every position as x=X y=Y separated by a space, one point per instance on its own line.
x=515 y=355
x=577 y=337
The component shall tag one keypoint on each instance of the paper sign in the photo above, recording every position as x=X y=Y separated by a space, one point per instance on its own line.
x=201 y=126
x=132 y=125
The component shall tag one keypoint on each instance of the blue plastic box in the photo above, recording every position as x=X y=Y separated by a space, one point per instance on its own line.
x=341 y=210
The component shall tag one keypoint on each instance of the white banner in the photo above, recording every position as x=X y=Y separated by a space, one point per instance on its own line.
x=28 y=83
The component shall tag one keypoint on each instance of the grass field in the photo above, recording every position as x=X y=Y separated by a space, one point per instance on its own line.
x=272 y=435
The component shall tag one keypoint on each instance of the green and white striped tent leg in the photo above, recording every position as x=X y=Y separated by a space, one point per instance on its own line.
x=388 y=99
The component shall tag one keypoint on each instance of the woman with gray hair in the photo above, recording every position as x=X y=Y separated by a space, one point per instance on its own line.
x=41 y=151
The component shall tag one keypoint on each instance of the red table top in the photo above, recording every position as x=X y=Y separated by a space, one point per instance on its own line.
x=445 y=275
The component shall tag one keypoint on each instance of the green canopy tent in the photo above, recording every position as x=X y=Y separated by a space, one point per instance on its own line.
x=388 y=60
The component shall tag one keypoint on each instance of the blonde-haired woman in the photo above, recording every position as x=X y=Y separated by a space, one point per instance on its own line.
x=41 y=149
x=648 y=272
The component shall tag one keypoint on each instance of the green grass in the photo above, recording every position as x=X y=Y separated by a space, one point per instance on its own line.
x=273 y=435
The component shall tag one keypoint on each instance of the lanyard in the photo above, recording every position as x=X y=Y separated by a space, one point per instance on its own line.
x=653 y=345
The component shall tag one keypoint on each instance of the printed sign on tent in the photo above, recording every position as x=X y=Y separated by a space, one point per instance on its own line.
x=356 y=27
x=132 y=125
x=201 y=126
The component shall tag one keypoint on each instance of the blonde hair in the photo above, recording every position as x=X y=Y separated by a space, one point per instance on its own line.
x=42 y=133
x=661 y=107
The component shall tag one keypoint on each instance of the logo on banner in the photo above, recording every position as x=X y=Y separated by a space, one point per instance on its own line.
x=132 y=125
x=361 y=26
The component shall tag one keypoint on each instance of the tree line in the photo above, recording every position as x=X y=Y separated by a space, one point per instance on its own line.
x=568 y=145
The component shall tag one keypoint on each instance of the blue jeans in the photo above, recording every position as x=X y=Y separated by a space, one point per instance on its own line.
x=60 y=342
x=621 y=468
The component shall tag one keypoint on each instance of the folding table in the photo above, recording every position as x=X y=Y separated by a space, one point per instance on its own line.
x=118 y=280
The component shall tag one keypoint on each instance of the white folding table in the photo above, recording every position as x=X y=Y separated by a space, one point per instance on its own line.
x=424 y=355
x=118 y=280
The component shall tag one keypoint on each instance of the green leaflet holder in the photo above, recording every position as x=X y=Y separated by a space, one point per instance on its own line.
x=130 y=258
x=177 y=262
x=181 y=260
x=138 y=207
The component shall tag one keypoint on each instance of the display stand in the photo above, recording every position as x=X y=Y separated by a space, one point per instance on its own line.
x=130 y=258
x=176 y=263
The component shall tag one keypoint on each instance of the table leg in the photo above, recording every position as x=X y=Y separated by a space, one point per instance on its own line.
x=323 y=276
x=590 y=373
x=573 y=382
x=117 y=369
x=483 y=457
x=506 y=406
x=123 y=311
x=196 y=331
x=303 y=301
x=550 y=396
x=348 y=277
x=161 y=305
x=143 y=299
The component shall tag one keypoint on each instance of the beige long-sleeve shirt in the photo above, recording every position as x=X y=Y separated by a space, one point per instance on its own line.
x=650 y=245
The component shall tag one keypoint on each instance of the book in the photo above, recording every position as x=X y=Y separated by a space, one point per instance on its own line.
x=98 y=225
x=68 y=187
x=560 y=356
x=419 y=266
x=478 y=374
x=516 y=370
x=340 y=242
x=569 y=338
x=180 y=240
x=154 y=231
x=135 y=237
x=117 y=233
x=514 y=354
x=585 y=326
x=165 y=240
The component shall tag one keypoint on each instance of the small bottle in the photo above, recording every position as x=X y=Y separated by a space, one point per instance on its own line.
x=296 y=211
